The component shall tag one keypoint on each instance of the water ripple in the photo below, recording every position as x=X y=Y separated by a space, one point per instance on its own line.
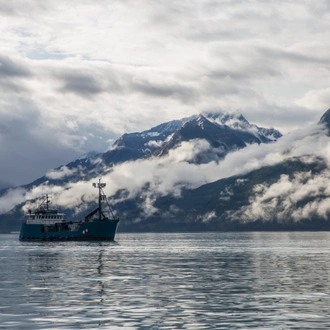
x=167 y=281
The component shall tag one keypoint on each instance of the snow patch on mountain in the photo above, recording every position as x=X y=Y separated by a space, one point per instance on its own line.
x=153 y=134
x=238 y=122
x=88 y=155
x=154 y=143
x=232 y=120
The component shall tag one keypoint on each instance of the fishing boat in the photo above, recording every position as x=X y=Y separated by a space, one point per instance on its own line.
x=46 y=224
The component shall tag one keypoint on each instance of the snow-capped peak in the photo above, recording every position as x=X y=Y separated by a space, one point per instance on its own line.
x=238 y=122
x=232 y=120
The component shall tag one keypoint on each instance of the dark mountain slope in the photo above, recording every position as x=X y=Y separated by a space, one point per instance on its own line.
x=220 y=205
x=224 y=133
x=133 y=146
x=325 y=119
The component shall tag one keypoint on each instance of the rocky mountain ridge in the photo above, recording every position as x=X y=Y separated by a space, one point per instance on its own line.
x=158 y=188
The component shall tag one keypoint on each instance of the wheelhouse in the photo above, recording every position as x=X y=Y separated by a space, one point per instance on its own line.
x=48 y=218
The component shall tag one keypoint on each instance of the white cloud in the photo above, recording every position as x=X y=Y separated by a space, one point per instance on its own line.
x=78 y=74
x=209 y=216
x=61 y=173
x=284 y=199
x=11 y=198
x=316 y=99
x=169 y=174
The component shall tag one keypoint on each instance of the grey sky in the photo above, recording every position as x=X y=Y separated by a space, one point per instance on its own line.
x=75 y=75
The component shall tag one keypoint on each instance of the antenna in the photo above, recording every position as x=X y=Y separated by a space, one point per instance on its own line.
x=99 y=184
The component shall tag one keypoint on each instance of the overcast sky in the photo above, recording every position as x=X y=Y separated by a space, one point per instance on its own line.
x=75 y=75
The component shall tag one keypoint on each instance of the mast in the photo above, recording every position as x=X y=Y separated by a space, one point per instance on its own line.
x=47 y=202
x=100 y=185
x=102 y=197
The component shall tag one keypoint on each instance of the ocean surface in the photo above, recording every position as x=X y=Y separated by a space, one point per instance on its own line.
x=168 y=281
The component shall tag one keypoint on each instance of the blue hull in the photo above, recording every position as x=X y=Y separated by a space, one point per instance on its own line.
x=87 y=231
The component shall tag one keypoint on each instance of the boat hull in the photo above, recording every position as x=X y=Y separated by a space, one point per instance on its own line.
x=86 y=231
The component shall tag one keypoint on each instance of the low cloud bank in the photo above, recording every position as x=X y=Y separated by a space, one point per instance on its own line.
x=169 y=174
x=60 y=173
x=304 y=196
x=11 y=198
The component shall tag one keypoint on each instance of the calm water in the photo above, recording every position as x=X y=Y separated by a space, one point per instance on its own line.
x=168 y=281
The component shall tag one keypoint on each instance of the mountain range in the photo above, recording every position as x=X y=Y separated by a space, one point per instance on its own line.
x=213 y=171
